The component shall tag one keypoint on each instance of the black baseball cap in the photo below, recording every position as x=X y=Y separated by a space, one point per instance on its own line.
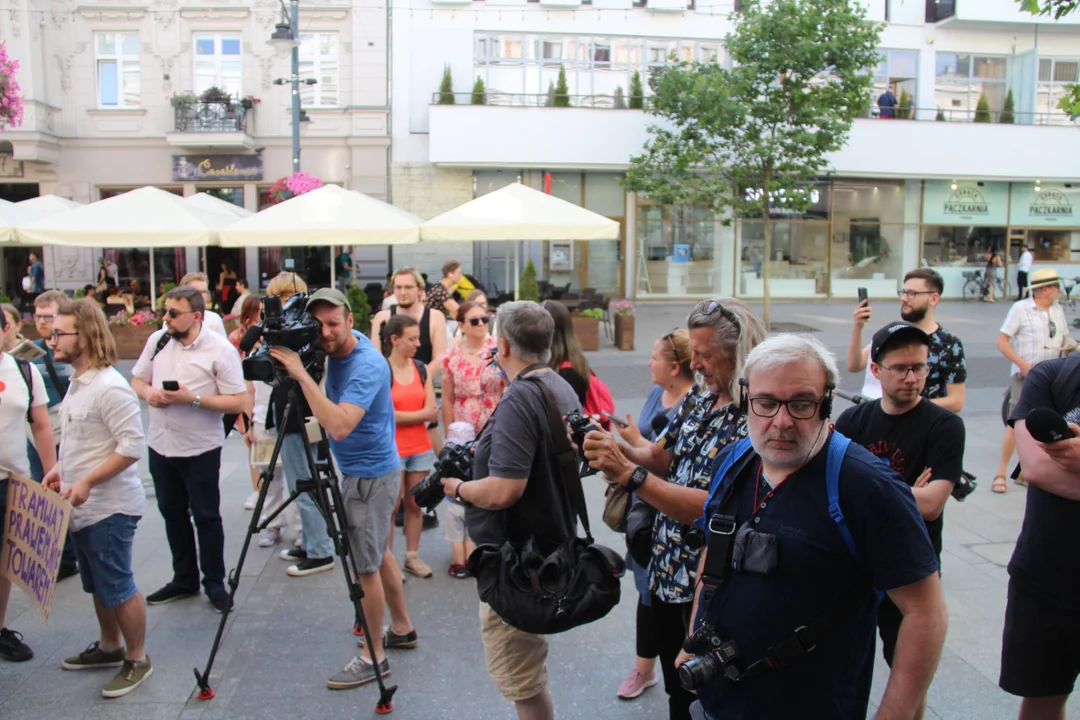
x=327 y=295
x=894 y=334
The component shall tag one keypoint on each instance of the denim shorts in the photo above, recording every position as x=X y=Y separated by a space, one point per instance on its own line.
x=104 y=551
x=421 y=462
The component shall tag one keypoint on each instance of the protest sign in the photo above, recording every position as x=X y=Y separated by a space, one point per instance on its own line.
x=35 y=527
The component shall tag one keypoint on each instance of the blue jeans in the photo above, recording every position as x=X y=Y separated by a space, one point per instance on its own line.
x=37 y=471
x=105 y=559
x=315 y=542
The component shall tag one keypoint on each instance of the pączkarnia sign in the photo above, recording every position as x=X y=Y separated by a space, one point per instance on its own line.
x=966 y=201
x=217 y=167
x=1045 y=204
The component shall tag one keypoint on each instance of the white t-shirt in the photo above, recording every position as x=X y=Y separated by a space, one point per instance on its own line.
x=14 y=402
x=214 y=322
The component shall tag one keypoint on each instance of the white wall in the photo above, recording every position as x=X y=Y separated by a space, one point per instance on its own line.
x=1004 y=11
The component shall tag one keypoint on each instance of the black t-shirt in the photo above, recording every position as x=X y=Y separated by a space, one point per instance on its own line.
x=516 y=443
x=1045 y=562
x=578 y=383
x=815 y=572
x=927 y=436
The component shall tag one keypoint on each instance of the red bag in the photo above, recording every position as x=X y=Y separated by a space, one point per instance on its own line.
x=598 y=399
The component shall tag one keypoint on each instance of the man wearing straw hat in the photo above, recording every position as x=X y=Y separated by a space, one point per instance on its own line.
x=1034 y=330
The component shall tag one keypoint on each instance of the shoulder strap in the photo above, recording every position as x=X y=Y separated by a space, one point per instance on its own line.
x=28 y=378
x=161 y=343
x=838 y=447
x=61 y=386
x=393 y=309
x=421 y=370
x=738 y=452
x=564 y=454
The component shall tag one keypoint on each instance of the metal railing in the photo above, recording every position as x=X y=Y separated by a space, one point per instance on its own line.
x=608 y=102
x=1058 y=117
x=211 y=117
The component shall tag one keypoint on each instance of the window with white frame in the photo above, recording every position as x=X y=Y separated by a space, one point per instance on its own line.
x=218 y=63
x=117 y=56
x=898 y=71
x=1054 y=77
x=963 y=79
x=319 y=60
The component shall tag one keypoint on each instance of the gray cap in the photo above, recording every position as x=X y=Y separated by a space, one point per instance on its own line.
x=327 y=295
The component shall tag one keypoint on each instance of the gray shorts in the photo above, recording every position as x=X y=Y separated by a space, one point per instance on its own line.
x=369 y=508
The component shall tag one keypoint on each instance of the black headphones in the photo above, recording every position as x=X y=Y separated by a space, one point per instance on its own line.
x=824 y=409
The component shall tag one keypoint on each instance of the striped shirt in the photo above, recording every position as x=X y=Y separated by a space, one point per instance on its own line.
x=1036 y=334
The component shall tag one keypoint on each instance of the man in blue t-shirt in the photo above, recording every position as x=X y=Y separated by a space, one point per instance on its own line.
x=358 y=415
x=791 y=566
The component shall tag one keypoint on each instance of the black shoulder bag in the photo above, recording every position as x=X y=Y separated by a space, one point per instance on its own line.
x=576 y=584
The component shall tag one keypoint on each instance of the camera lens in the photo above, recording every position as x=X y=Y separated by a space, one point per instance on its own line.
x=698 y=671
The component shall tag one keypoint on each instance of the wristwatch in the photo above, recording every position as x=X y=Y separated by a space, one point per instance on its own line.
x=637 y=479
x=457 y=495
x=197 y=402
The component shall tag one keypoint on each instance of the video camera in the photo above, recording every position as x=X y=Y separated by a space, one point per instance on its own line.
x=456 y=461
x=286 y=325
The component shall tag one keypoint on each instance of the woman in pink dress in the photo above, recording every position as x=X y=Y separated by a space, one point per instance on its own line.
x=470 y=388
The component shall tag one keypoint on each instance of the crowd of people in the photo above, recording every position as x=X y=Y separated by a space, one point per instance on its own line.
x=772 y=532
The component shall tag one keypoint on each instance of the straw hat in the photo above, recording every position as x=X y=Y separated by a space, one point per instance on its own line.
x=1043 y=277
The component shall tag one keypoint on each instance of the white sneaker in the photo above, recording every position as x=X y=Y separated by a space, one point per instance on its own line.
x=249 y=504
x=270 y=537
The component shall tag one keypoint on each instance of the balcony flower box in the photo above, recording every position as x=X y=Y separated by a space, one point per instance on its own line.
x=587 y=330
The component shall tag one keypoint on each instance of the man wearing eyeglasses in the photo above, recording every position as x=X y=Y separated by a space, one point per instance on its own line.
x=185 y=436
x=922 y=442
x=210 y=318
x=1034 y=330
x=947 y=376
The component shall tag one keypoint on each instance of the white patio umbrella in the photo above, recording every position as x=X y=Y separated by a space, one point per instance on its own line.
x=39 y=208
x=142 y=218
x=517 y=212
x=10 y=218
x=209 y=202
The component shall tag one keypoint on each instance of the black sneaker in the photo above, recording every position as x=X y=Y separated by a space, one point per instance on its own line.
x=431 y=520
x=220 y=599
x=168 y=594
x=293 y=554
x=12 y=648
x=310 y=566
x=67 y=571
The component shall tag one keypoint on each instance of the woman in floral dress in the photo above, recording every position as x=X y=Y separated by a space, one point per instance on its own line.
x=471 y=389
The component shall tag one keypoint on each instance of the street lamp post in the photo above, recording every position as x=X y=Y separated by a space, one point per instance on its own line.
x=286 y=38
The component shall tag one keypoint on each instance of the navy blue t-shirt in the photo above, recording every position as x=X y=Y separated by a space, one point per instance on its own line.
x=815 y=572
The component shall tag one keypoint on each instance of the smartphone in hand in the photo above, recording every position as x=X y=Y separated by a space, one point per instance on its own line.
x=170 y=385
x=612 y=418
x=863 y=295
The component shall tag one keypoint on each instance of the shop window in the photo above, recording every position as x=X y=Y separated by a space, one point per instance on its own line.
x=117 y=56
x=897 y=71
x=798 y=265
x=963 y=79
x=319 y=61
x=234 y=195
x=676 y=246
x=218 y=63
x=947 y=245
x=1054 y=78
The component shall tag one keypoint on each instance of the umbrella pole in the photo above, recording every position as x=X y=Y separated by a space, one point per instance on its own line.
x=517 y=269
x=153 y=283
x=333 y=275
x=205 y=268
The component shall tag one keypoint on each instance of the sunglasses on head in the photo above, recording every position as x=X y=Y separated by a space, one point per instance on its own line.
x=674 y=350
x=476 y=321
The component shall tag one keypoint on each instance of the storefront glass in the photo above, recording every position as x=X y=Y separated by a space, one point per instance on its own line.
x=799 y=263
x=676 y=247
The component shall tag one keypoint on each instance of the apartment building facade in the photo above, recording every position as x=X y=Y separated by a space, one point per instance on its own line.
x=934 y=188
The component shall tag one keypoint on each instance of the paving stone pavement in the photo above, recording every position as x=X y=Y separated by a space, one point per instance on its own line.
x=288 y=635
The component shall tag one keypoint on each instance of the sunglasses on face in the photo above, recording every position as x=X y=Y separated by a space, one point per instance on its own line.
x=477 y=321
x=174 y=313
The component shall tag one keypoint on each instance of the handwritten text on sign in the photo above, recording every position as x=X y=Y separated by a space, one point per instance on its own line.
x=35 y=526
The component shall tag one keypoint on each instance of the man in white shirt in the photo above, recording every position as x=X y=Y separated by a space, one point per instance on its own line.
x=1023 y=267
x=102 y=441
x=1034 y=330
x=185 y=438
x=22 y=397
x=210 y=319
x=242 y=293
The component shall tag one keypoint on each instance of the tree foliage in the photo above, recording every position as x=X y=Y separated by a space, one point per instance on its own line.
x=754 y=136
x=479 y=93
x=1008 y=112
x=562 y=90
x=446 y=88
x=637 y=92
x=528 y=289
x=11 y=97
x=358 y=304
x=982 y=110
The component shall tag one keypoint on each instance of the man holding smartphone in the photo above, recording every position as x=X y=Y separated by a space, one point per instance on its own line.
x=947 y=378
x=185 y=438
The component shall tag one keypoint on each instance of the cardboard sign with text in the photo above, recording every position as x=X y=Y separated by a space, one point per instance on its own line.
x=35 y=526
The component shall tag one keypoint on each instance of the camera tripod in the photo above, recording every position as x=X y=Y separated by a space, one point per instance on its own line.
x=324 y=491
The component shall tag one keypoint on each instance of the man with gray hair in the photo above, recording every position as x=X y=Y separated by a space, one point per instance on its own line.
x=672 y=474
x=802 y=525
x=518 y=494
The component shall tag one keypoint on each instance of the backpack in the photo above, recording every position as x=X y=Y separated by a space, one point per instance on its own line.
x=28 y=378
x=598 y=398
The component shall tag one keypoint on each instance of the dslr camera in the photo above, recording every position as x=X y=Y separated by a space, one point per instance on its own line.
x=286 y=325
x=580 y=424
x=714 y=659
x=454 y=461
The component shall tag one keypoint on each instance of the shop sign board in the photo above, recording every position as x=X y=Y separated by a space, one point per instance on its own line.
x=1051 y=205
x=187 y=168
x=968 y=203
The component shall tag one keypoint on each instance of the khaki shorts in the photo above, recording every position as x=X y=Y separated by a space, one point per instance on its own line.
x=1015 y=387
x=516 y=660
x=369 y=508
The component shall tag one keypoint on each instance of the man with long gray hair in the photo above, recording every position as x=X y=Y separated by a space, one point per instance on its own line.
x=801 y=526
x=673 y=473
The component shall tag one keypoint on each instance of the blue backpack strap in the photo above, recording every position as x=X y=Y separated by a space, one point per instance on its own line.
x=737 y=453
x=838 y=445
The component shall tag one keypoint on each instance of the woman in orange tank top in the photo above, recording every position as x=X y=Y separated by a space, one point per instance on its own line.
x=414 y=407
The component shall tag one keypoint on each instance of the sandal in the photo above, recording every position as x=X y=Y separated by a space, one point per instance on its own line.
x=1019 y=480
x=1000 y=485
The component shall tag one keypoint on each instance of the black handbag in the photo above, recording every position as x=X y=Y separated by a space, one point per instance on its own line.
x=545 y=594
x=639 y=532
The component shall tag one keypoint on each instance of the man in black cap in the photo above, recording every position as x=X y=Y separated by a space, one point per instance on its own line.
x=923 y=442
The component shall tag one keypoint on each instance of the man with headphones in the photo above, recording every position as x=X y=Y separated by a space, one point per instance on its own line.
x=801 y=526
x=922 y=441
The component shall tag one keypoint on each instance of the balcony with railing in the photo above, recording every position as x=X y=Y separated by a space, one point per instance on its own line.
x=218 y=125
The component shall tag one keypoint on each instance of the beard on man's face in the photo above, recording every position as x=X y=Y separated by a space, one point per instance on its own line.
x=914 y=315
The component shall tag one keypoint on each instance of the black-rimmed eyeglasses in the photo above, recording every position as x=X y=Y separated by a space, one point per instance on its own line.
x=768 y=407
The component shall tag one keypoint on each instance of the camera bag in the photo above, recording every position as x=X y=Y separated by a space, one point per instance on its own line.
x=545 y=594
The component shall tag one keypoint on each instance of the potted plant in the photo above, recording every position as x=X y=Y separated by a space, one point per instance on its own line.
x=587 y=327
x=528 y=289
x=1008 y=112
x=231 y=322
x=183 y=100
x=29 y=330
x=214 y=94
x=562 y=89
x=624 y=312
x=982 y=110
x=637 y=92
x=479 y=94
x=11 y=95
x=358 y=304
x=292 y=185
x=132 y=331
x=250 y=101
x=446 y=87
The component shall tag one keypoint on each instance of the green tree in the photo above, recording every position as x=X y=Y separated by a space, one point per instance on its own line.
x=940 y=117
x=358 y=304
x=1008 y=113
x=1070 y=103
x=479 y=94
x=982 y=110
x=903 y=112
x=528 y=289
x=446 y=88
x=562 y=90
x=637 y=93
x=755 y=136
